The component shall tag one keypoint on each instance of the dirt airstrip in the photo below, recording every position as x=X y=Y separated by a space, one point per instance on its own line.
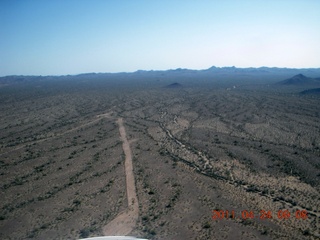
x=126 y=221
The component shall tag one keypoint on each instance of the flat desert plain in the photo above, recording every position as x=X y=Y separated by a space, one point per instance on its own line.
x=84 y=159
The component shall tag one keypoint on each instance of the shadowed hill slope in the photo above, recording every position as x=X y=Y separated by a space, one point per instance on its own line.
x=300 y=80
x=174 y=85
x=315 y=91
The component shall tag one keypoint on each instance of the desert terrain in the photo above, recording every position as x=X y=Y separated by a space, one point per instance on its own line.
x=216 y=157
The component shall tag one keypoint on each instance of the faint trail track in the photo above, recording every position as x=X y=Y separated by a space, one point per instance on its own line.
x=97 y=119
x=125 y=222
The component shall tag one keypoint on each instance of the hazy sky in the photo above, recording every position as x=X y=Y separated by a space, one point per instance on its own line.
x=52 y=37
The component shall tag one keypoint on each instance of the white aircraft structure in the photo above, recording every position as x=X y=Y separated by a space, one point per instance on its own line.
x=114 y=238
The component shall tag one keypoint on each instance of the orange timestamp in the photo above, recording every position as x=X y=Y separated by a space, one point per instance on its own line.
x=263 y=214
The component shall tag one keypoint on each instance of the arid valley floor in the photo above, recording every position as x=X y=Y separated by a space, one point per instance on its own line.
x=197 y=150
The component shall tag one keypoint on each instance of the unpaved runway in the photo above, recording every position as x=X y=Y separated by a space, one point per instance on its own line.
x=125 y=222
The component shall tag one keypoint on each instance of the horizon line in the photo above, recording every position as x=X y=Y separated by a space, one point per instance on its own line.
x=153 y=70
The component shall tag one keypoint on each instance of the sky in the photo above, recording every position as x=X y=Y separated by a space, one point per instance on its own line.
x=59 y=37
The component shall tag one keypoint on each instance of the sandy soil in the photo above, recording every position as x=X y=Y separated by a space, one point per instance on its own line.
x=124 y=223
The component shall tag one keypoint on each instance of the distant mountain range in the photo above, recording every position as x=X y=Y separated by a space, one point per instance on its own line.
x=221 y=74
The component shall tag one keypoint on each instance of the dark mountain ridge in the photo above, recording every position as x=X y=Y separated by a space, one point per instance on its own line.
x=314 y=91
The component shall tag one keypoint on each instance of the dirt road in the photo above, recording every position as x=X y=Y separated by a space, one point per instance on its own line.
x=125 y=222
